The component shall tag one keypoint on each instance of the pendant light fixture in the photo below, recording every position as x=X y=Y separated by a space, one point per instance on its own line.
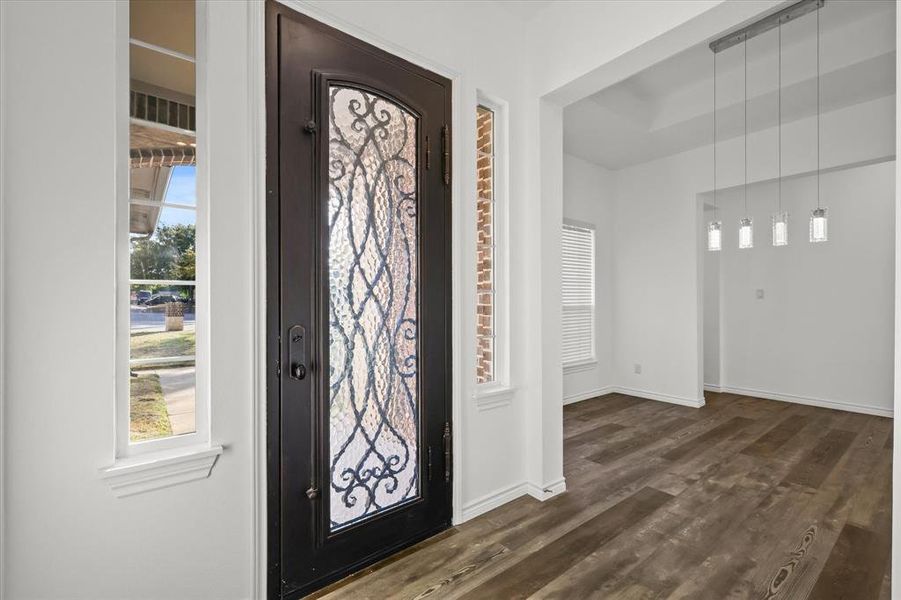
x=714 y=227
x=780 y=218
x=818 y=217
x=819 y=224
x=746 y=224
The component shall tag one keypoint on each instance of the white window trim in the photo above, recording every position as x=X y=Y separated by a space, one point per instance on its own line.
x=589 y=362
x=153 y=464
x=499 y=392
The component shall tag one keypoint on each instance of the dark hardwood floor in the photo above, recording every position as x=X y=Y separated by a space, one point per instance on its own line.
x=744 y=498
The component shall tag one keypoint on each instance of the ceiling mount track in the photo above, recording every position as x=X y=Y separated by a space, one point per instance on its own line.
x=790 y=13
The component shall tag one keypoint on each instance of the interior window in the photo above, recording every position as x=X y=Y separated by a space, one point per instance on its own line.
x=578 y=294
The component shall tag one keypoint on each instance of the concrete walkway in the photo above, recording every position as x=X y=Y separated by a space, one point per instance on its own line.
x=178 y=390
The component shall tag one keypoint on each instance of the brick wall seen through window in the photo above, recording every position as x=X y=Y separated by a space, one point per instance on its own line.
x=485 y=255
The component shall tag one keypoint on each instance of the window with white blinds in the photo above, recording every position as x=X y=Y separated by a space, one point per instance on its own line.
x=578 y=293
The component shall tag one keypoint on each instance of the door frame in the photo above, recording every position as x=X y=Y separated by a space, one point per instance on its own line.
x=257 y=138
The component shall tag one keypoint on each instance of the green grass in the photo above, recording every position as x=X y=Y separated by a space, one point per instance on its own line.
x=159 y=344
x=149 y=417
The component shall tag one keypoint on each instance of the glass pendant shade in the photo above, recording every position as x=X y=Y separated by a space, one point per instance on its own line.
x=819 y=225
x=780 y=229
x=715 y=236
x=746 y=233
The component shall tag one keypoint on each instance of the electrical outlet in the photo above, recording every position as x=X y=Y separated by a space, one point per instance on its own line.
x=637 y=369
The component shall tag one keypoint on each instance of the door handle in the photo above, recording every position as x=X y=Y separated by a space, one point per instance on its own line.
x=297 y=352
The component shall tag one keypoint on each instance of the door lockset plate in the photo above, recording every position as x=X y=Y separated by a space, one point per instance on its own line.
x=297 y=352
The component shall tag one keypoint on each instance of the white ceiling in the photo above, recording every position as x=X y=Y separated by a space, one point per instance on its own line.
x=667 y=108
x=524 y=10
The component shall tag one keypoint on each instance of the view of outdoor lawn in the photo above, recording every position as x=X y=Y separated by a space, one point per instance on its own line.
x=162 y=359
x=150 y=417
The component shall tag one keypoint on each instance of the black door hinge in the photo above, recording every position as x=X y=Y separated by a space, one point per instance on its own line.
x=429 y=463
x=447 y=451
x=428 y=154
x=445 y=153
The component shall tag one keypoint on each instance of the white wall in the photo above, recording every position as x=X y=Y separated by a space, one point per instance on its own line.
x=588 y=196
x=896 y=430
x=545 y=419
x=711 y=303
x=823 y=330
x=657 y=271
x=69 y=536
x=655 y=276
x=3 y=146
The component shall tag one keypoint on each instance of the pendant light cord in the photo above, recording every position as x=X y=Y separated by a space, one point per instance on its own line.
x=818 y=108
x=780 y=118
x=746 y=124
x=714 y=136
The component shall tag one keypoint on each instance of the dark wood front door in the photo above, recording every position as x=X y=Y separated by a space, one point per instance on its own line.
x=359 y=287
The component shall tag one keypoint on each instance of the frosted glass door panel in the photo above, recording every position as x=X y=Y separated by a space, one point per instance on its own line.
x=374 y=418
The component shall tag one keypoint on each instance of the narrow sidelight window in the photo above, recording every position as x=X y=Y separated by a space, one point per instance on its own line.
x=161 y=249
x=486 y=333
x=578 y=294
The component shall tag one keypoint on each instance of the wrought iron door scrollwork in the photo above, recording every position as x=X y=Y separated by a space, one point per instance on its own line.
x=373 y=308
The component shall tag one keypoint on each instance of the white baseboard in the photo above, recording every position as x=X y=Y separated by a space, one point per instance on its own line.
x=578 y=397
x=548 y=490
x=686 y=401
x=611 y=389
x=833 y=404
x=491 y=501
x=680 y=400
x=500 y=497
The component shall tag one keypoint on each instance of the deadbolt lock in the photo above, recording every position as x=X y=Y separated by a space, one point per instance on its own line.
x=298 y=371
x=297 y=357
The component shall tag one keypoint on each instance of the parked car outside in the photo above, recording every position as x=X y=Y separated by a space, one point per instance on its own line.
x=162 y=298
x=142 y=296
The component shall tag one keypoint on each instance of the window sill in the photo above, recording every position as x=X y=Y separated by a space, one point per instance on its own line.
x=578 y=367
x=136 y=475
x=493 y=396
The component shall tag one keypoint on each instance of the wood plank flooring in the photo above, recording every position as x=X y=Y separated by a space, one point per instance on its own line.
x=744 y=498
